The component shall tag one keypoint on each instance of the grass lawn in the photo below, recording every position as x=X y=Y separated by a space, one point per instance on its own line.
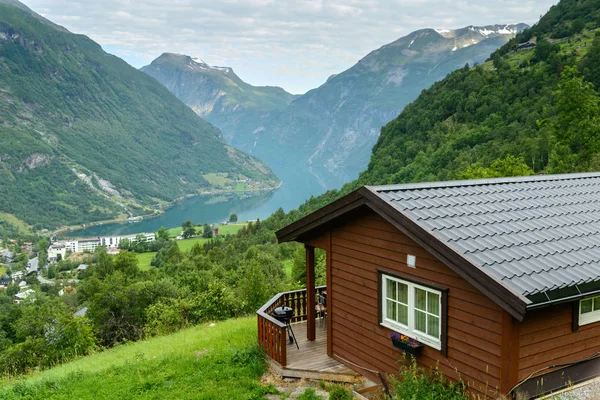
x=223 y=362
x=144 y=260
x=174 y=232
x=230 y=229
x=187 y=244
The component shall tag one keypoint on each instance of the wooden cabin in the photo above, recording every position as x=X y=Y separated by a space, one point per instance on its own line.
x=499 y=280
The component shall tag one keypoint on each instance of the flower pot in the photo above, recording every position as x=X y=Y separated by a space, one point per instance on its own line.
x=410 y=348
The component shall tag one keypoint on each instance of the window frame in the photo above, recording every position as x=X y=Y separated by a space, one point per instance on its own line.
x=412 y=283
x=589 y=317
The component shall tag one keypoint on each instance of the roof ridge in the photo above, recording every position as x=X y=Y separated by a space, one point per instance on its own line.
x=484 y=182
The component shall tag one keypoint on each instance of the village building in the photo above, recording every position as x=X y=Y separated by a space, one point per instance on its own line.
x=4 y=281
x=33 y=266
x=495 y=281
x=525 y=46
x=24 y=295
x=17 y=276
x=89 y=245
x=9 y=256
x=112 y=242
x=55 y=250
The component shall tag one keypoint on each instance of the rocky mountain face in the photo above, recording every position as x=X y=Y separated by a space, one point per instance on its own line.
x=330 y=130
x=84 y=136
x=217 y=93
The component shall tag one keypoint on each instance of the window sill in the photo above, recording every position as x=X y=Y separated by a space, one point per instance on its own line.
x=420 y=338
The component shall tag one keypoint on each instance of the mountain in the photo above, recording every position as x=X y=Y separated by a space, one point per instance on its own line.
x=330 y=130
x=87 y=137
x=531 y=108
x=216 y=93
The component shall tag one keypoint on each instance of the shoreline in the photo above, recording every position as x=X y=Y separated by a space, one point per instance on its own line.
x=163 y=208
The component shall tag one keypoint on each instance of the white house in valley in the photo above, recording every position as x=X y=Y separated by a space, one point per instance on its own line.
x=91 y=244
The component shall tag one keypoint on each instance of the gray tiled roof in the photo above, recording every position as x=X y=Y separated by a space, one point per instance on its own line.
x=534 y=234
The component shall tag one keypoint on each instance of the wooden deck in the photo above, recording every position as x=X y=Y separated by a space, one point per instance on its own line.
x=311 y=360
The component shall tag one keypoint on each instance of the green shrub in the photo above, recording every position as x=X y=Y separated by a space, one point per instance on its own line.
x=337 y=392
x=309 y=394
x=415 y=383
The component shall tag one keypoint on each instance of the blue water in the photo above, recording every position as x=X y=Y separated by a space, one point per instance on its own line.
x=214 y=209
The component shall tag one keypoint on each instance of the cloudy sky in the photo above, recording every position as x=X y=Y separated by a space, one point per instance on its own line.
x=295 y=44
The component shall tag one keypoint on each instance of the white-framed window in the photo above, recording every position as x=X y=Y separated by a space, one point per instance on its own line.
x=412 y=309
x=589 y=310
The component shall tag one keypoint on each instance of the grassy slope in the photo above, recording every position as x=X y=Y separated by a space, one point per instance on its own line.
x=14 y=221
x=222 y=362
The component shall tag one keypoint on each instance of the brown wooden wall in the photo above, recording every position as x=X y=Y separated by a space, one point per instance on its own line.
x=547 y=338
x=475 y=323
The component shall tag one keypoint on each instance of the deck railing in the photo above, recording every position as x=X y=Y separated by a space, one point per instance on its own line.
x=272 y=335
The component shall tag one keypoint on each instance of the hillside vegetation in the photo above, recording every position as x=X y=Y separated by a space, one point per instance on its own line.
x=538 y=106
x=220 y=362
x=86 y=137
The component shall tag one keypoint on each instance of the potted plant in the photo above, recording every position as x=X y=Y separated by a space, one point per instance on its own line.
x=403 y=342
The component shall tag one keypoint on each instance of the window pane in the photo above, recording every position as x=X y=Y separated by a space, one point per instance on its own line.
x=403 y=293
x=433 y=303
x=403 y=314
x=420 y=299
x=391 y=289
x=391 y=310
x=586 y=306
x=420 y=321
x=433 y=326
x=596 y=303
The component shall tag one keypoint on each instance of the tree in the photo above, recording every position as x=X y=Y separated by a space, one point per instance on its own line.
x=141 y=244
x=187 y=229
x=42 y=248
x=577 y=123
x=124 y=244
x=207 y=232
x=233 y=218
x=162 y=233
x=52 y=272
x=502 y=167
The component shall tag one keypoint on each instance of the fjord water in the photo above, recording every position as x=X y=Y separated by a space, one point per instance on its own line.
x=294 y=190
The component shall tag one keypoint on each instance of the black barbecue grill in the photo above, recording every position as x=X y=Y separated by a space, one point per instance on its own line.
x=285 y=315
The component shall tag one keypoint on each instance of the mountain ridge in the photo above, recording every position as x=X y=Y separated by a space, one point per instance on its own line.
x=329 y=130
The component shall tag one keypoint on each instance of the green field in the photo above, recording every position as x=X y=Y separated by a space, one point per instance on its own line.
x=174 y=232
x=187 y=244
x=230 y=229
x=2 y=271
x=222 y=362
x=144 y=260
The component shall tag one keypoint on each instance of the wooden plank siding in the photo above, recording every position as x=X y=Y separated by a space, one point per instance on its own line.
x=475 y=323
x=547 y=337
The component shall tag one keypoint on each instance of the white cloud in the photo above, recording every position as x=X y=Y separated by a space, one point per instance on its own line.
x=296 y=44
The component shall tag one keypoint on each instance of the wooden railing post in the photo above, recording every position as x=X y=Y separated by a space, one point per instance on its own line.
x=283 y=345
x=311 y=330
x=272 y=333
